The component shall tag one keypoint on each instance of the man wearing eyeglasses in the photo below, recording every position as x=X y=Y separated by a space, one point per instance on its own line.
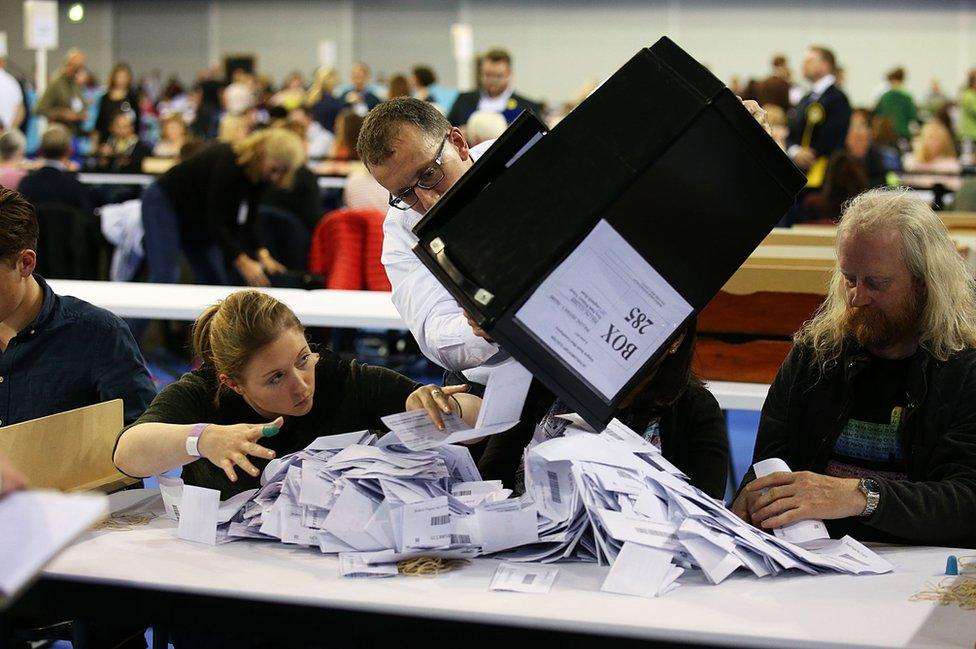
x=416 y=155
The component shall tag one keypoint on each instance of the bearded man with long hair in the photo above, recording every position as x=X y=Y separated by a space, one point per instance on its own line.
x=874 y=410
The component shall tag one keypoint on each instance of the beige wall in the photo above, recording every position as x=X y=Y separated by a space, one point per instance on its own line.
x=557 y=45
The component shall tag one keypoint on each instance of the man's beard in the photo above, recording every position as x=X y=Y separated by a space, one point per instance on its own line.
x=874 y=329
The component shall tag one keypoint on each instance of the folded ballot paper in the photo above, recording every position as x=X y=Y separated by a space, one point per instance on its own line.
x=614 y=499
x=501 y=407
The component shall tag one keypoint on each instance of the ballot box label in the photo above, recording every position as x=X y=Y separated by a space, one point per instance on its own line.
x=603 y=311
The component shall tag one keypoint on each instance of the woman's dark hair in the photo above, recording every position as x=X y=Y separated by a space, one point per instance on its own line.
x=424 y=75
x=845 y=178
x=120 y=67
x=671 y=379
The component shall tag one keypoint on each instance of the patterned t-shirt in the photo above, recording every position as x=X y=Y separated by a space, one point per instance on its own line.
x=870 y=443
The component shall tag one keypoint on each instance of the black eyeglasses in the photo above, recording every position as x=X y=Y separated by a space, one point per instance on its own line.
x=429 y=179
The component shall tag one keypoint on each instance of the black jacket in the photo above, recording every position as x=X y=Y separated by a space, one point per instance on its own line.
x=207 y=190
x=829 y=135
x=467 y=103
x=806 y=410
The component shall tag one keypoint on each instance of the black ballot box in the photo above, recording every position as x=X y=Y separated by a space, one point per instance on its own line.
x=583 y=251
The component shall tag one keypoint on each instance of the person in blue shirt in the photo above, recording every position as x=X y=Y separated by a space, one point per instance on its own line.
x=57 y=353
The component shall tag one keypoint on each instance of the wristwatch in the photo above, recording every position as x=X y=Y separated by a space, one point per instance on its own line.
x=869 y=487
x=193 y=439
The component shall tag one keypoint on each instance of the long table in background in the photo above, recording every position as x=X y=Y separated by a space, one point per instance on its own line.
x=143 y=180
x=296 y=593
x=320 y=308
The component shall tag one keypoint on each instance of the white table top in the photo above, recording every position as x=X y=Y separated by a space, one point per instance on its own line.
x=738 y=396
x=801 y=611
x=320 y=308
x=325 y=182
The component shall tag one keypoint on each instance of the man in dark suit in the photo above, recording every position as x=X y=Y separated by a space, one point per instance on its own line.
x=359 y=98
x=495 y=95
x=53 y=183
x=818 y=124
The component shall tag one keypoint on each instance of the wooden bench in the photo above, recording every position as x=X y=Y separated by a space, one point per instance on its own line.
x=746 y=331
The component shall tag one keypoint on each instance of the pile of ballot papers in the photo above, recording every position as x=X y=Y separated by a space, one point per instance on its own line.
x=608 y=497
x=380 y=502
x=613 y=498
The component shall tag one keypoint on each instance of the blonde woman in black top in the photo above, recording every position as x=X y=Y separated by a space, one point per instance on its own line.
x=262 y=392
x=194 y=207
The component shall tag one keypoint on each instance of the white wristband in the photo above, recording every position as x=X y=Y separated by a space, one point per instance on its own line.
x=193 y=439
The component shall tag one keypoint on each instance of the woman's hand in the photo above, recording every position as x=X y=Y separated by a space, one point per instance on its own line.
x=229 y=446
x=251 y=271
x=270 y=265
x=436 y=401
x=758 y=113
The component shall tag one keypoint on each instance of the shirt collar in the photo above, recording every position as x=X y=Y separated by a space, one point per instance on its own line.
x=47 y=307
x=820 y=86
x=55 y=164
x=504 y=96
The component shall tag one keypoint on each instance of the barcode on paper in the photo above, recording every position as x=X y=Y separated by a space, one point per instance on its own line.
x=528 y=580
x=466 y=492
x=176 y=511
x=554 y=487
x=441 y=520
x=644 y=530
x=460 y=539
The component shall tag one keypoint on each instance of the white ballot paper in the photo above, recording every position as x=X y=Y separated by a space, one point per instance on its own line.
x=351 y=564
x=603 y=311
x=172 y=491
x=501 y=408
x=198 y=515
x=642 y=571
x=35 y=526
x=524 y=578
x=800 y=531
x=507 y=524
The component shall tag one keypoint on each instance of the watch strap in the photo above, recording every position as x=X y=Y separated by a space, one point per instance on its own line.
x=872 y=493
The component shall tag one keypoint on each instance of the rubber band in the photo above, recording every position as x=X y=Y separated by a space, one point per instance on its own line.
x=125 y=522
x=428 y=566
x=951 y=590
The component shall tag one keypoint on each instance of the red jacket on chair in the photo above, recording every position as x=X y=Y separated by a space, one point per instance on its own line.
x=346 y=248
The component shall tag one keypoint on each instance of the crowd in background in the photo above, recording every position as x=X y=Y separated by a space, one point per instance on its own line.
x=897 y=139
x=133 y=124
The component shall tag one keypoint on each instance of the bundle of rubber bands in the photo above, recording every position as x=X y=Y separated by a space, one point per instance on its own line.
x=428 y=566
x=124 y=522
x=951 y=590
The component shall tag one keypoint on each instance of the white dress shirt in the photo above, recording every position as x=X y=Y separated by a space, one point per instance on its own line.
x=430 y=311
x=495 y=104
x=11 y=98
x=820 y=86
